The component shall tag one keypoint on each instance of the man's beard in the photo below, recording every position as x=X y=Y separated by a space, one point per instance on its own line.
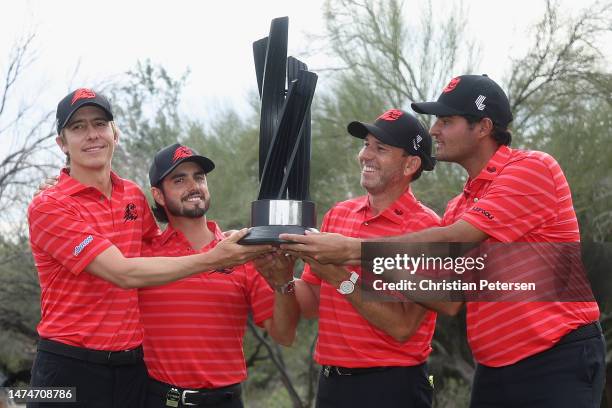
x=196 y=212
x=382 y=181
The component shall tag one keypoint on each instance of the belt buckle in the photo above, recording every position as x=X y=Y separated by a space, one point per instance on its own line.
x=185 y=392
x=327 y=371
x=173 y=396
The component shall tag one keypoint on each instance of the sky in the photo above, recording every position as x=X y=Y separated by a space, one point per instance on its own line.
x=82 y=43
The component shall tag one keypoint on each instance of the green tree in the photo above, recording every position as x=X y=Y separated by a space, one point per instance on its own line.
x=386 y=62
x=229 y=142
x=146 y=102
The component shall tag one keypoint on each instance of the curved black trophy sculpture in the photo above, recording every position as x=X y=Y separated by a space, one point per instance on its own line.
x=282 y=204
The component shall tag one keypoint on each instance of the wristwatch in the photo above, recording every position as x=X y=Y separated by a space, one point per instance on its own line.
x=348 y=286
x=286 y=288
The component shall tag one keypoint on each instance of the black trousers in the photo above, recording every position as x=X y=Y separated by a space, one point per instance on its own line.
x=569 y=375
x=97 y=385
x=405 y=387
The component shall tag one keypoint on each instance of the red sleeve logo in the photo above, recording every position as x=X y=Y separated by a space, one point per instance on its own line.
x=393 y=114
x=181 y=152
x=451 y=85
x=82 y=93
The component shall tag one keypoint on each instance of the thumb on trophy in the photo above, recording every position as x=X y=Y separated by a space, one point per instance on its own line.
x=236 y=235
x=228 y=233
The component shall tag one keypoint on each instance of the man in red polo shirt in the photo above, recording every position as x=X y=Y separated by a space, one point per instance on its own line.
x=86 y=235
x=529 y=354
x=374 y=353
x=194 y=327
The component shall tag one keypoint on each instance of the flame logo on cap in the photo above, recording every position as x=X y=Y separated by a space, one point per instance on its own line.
x=451 y=85
x=82 y=93
x=393 y=114
x=181 y=152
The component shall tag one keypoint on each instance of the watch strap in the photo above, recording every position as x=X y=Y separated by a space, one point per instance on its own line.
x=348 y=286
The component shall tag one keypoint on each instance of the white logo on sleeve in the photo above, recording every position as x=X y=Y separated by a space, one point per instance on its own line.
x=79 y=248
x=479 y=102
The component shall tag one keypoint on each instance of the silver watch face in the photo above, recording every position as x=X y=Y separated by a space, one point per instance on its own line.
x=347 y=287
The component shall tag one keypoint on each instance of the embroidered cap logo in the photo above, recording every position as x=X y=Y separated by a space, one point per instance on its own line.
x=416 y=143
x=451 y=85
x=82 y=93
x=391 y=115
x=479 y=102
x=181 y=152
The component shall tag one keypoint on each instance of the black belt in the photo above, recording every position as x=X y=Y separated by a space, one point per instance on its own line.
x=201 y=397
x=329 y=371
x=113 y=358
x=582 y=333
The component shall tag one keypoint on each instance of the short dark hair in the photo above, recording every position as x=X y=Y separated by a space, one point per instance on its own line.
x=159 y=211
x=501 y=134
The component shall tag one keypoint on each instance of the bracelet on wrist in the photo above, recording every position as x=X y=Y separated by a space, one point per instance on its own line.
x=285 y=288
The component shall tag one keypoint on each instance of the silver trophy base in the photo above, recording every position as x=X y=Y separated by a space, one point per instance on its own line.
x=270 y=218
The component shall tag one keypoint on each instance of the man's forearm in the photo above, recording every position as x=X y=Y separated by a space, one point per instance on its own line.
x=308 y=299
x=434 y=234
x=285 y=318
x=141 y=272
x=353 y=251
x=112 y=266
x=351 y=247
x=400 y=320
x=460 y=231
x=161 y=270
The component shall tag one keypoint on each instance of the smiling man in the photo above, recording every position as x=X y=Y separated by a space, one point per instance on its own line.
x=194 y=327
x=86 y=236
x=529 y=354
x=373 y=353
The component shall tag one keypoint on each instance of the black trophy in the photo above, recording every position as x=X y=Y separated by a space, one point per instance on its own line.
x=283 y=204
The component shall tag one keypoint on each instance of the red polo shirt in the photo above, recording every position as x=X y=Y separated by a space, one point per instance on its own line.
x=71 y=224
x=194 y=327
x=519 y=196
x=347 y=339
